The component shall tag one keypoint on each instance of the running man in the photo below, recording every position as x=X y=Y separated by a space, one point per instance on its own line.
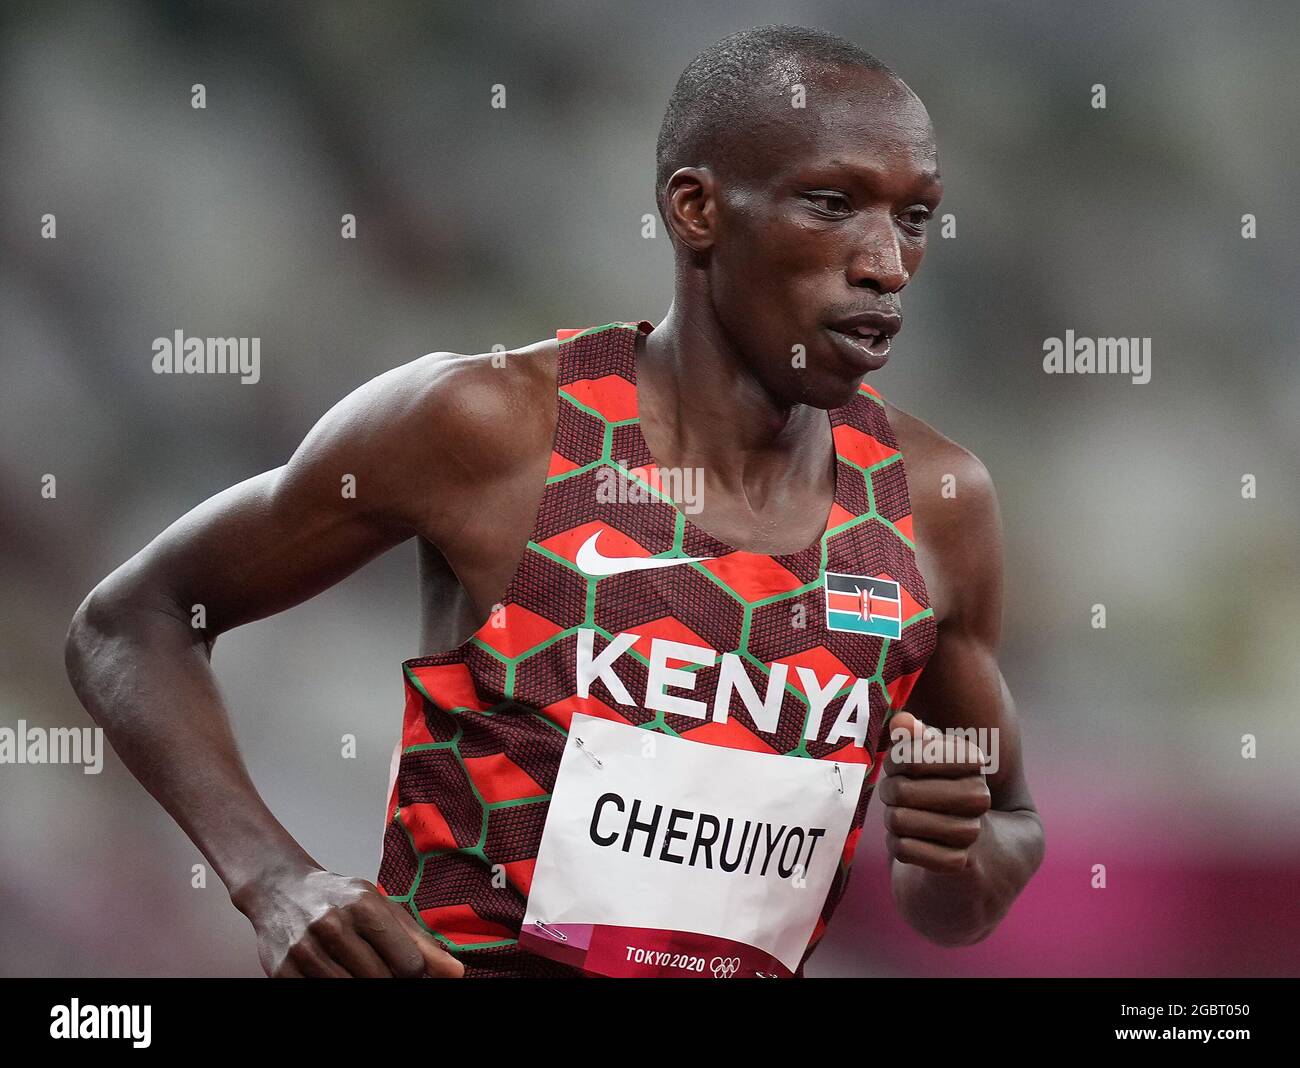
x=675 y=580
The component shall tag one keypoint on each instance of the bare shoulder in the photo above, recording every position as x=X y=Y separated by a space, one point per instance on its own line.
x=501 y=401
x=439 y=425
x=938 y=468
x=956 y=518
x=455 y=397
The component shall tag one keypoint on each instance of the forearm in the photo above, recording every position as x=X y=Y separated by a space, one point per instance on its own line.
x=957 y=909
x=144 y=676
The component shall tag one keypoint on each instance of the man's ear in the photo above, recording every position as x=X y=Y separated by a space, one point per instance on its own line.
x=690 y=200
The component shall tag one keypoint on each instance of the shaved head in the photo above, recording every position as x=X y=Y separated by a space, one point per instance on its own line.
x=722 y=98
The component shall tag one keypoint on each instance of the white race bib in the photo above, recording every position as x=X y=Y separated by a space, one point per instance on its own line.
x=662 y=856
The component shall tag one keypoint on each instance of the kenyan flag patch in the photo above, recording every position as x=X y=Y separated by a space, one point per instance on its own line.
x=861 y=604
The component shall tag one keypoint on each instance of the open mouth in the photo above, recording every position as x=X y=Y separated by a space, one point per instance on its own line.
x=867 y=340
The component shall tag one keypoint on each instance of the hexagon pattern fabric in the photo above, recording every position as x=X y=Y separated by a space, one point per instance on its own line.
x=485 y=724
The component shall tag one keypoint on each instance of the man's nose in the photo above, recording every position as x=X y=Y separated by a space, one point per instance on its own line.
x=877 y=260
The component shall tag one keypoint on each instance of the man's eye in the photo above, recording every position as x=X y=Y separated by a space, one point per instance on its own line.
x=830 y=203
x=916 y=218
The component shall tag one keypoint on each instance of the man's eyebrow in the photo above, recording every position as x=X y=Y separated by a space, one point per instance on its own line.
x=929 y=176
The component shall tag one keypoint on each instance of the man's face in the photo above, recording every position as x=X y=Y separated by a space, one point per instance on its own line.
x=828 y=225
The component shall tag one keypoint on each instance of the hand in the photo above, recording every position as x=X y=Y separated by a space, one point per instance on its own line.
x=318 y=924
x=933 y=810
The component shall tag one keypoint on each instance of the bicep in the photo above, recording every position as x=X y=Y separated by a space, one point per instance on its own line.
x=280 y=537
x=962 y=685
x=257 y=548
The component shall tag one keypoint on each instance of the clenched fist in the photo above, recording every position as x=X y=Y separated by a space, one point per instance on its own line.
x=934 y=808
x=319 y=924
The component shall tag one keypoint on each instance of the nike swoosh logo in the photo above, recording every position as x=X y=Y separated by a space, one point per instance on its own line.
x=595 y=563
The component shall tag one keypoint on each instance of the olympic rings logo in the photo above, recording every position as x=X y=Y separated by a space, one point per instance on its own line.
x=724 y=967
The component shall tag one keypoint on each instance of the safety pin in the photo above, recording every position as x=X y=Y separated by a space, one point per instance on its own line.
x=551 y=931
x=592 y=756
x=839 y=778
x=766 y=975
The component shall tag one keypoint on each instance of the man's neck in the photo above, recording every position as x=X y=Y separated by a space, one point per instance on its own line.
x=701 y=406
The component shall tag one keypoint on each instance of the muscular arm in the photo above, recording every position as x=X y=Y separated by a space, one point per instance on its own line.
x=964 y=845
x=142 y=668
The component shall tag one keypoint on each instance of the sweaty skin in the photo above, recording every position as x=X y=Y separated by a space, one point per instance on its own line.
x=453 y=450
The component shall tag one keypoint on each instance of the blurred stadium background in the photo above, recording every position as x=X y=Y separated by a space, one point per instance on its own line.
x=481 y=226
